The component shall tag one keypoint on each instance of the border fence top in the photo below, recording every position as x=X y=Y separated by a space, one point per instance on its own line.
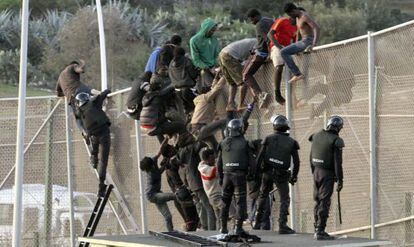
x=321 y=47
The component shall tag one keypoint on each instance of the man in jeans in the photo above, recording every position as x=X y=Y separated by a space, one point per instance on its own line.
x=153 y=189
x=309 y=32
x=282 y=34
x=231 y=58
x=263 y=25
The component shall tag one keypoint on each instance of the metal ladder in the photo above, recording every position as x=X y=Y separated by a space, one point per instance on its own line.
x=96 y=215
x=120 y=200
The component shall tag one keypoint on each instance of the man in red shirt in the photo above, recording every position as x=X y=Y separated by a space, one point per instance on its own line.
x=281 y=34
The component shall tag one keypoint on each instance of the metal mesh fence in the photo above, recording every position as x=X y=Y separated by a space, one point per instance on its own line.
x=337 y=83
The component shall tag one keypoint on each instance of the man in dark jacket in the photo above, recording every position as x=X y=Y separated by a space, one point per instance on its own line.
x=234 y=165
x=162 y=111
x=184 y=203
x=183 y=75
x=275 y=159
x=326 y=165
x=188 y=155
x=96 y=125
x=153 y=189
x=263 y=25
x=69 y=83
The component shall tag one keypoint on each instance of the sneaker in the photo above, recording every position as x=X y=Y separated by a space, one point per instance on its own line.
x=93 y=161
x=262 y=99
x=296 y=78
x=102 y=190
x=322 y=235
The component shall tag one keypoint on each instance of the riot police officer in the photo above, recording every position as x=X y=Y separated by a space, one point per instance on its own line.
x=326 y=165
x=96 y=125
x=234 y=164
x=274 y=159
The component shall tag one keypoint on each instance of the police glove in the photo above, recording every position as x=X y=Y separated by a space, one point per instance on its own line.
x=339 y=186
x=293 y=180
x=87 y=138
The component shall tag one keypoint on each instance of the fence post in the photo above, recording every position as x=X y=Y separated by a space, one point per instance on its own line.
x=102 y=46
x=48 y=178
x=372 y=132
x=69 y=161
x=21 y=112
x=143 y=206
x=289 y=116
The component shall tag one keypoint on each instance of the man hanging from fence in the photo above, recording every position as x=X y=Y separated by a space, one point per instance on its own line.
x=326 y=166
x=69 y=83
x=231 y=59
x=153 y=188
x=281 y=34
x=189 y=156
x=309 y=31
x=205 y=48
x=274 y=159
x=96 y=126
x=183 y=75
x=263 y=25
x=184 y=203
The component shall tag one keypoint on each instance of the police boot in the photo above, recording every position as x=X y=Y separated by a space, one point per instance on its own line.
x=102 y=190
x=258 y=221
x=239 y=228
x=284 y=229
x=320 y=232
x=223 y=228
x=322 y=235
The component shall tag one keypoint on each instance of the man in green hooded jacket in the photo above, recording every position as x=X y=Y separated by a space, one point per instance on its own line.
x=205 y=48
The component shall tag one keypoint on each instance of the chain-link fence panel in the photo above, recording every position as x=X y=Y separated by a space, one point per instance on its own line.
x=394 y=62
x=336 y=83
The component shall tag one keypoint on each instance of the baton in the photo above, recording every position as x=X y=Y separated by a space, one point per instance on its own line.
x=339 y=208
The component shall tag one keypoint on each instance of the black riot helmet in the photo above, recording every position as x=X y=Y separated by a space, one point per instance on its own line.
x=335 y=123
x=83 y=98
x=280 y=123
x=234 y=128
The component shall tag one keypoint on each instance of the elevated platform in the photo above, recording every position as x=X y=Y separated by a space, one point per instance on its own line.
x=269 y=238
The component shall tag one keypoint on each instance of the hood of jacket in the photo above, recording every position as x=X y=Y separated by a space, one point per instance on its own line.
x=206 y=26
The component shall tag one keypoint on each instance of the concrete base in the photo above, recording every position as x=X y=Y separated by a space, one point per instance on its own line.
x=269 y=238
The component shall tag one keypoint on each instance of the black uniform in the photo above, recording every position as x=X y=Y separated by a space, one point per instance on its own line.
x=96 y=124
x=326 y=165
x=184 y=202
x=275 y=160
x=233 y=166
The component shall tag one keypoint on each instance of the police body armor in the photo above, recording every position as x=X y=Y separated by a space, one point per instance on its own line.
x=93 y=118
x=279 y=151
x=322 y=152
x=234 y=152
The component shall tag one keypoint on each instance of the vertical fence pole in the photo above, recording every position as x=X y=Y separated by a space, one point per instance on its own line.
x=69 y=153
x=18 y=179
x=48 y=179
x=102 y=46
x=143 y=206
x=372 y=132
x=289 y=115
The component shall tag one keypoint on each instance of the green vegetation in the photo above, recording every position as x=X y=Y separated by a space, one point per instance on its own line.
x=13 y=91
x=63 y=30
